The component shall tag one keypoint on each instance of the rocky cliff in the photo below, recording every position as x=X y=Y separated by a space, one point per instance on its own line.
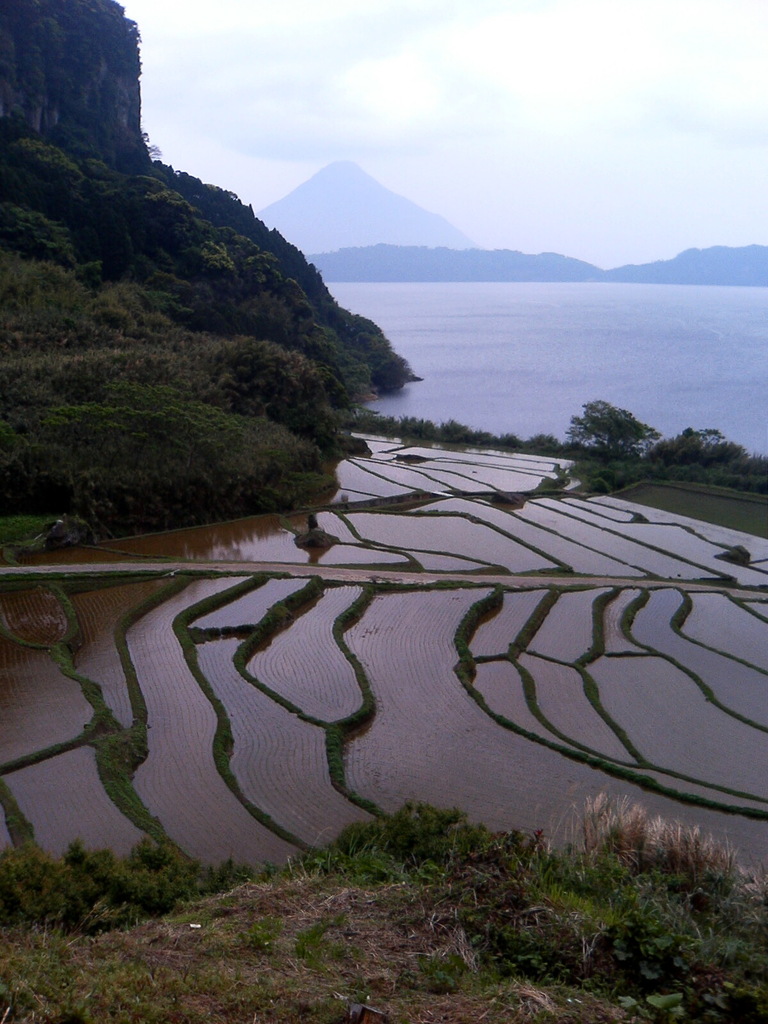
x=70 y=69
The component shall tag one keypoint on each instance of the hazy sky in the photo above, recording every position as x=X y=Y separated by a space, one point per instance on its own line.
x=615 y=131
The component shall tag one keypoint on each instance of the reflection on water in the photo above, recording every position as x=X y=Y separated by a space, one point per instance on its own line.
x=256 y=539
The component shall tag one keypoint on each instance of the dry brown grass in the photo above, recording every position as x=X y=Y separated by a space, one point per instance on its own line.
x=200 y=965
x=642 y=842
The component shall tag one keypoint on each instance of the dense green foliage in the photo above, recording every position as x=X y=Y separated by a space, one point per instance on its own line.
x=89 y=890
x=115 y=269
x=232 y=376
x=71 y=70
x=611 y=432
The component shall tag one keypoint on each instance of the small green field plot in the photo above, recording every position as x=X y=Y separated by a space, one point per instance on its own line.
x=23 y=527
x=732 y=509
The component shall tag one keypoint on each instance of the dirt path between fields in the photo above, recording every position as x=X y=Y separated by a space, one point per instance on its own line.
x=141 y=567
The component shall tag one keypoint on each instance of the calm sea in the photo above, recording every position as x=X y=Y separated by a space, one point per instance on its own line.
x=524 y=358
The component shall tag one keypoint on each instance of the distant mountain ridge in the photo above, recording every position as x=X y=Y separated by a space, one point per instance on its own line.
x=419 y=263
x=719 y=264
x=745 y=266
x=342 y=206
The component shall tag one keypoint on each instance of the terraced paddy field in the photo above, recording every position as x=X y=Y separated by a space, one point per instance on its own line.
x=512 y=654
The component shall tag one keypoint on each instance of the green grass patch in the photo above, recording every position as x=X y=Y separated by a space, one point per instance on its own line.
x=20 y=528
x=733 y=509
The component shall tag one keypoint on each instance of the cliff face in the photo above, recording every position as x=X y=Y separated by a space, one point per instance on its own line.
x=70 y=69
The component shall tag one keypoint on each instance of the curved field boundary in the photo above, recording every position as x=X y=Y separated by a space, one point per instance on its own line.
x=758 y=607
x=40 y=707
x=405 y=478
x=599 y=512
x=379 y=445
x=179 y=782
x=719 y=624
x=498 y=478
x=278 y=759
x=33 y=616
x=64 y=800
x=645 y=696
x=431 y=741
x=448 y=534
x=350 y=554
x=98 y=614
x=501 y=686
x=305 y=666
x=677 y=539
x=615 y=638
x=446 y=563
x=560 y=697
x=497 y=634
x=334 y=525
x=651 y=561
x=724 y=536
x=708 y=794
x=567 y=632
x=562 y=550
x=482 y=456
x=353 y=477
x=249 y=608
x=736 y=689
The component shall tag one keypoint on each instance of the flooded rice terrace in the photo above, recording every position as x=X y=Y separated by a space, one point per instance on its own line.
x=530 y=650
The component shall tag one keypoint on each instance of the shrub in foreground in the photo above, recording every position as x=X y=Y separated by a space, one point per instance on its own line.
x=90 y=890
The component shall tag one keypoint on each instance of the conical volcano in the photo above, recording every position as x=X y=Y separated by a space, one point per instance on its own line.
x=341 y=206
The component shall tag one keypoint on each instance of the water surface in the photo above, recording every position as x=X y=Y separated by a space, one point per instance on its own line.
x=524 y=357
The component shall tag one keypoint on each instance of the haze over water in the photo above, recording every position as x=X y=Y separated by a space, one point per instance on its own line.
x=524 y=357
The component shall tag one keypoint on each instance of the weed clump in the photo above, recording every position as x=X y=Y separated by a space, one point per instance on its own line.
x=93 y=890
x=638 y=910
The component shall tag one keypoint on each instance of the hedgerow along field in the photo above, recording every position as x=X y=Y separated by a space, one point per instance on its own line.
x=484 y=639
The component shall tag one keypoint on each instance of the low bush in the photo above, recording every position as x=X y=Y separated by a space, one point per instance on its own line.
x=92 y=890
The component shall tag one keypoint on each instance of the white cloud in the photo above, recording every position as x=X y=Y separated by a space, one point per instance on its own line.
x=474 y=103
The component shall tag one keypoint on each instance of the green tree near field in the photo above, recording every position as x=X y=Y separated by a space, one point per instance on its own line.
x=698 y=447
x=611 y=432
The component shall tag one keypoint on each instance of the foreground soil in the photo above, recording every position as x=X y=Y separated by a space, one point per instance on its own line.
x=301 y=948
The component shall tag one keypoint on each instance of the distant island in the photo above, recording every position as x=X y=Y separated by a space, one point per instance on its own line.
x=718 y=265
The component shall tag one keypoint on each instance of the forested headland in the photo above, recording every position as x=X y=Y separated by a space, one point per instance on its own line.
x=165 y=359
